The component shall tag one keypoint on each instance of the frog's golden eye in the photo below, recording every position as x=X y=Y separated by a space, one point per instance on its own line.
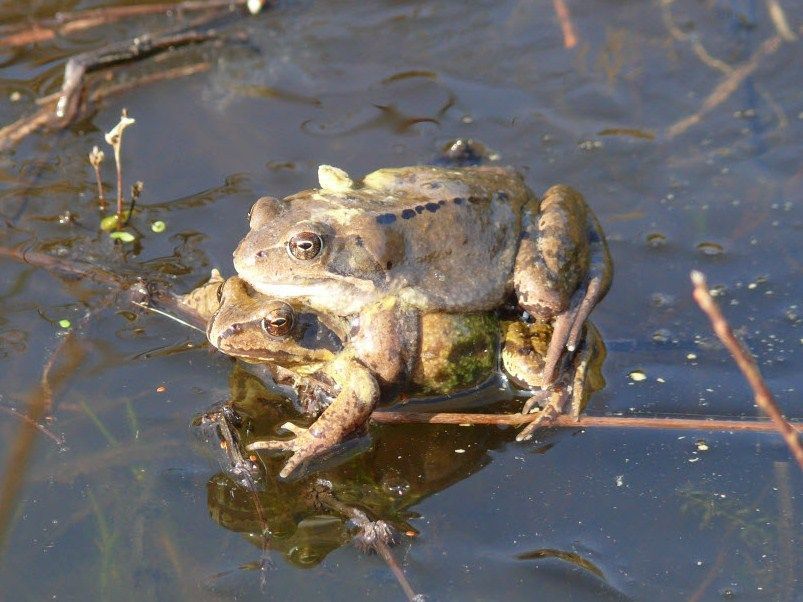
x=278 y=321
x=305 y=245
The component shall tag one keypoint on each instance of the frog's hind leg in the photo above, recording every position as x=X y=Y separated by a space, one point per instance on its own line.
x=568 y=324
x=600 y=274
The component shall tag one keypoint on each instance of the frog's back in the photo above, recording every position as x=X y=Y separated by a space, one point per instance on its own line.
x=461 y=229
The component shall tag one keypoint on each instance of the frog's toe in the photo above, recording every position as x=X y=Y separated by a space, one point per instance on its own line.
x=551 y=411
x=293 y=428
x=270 y=445
x=534 y=401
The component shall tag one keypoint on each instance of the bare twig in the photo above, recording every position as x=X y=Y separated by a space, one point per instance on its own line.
x=565 y=421
x=726 y=87
x=700 y=51
x=45 y=117
x=123 y=52
x=40 y=427
x=67 y=23
x=18 y=457
x=565 y=19
x=779 y=20
x=747 y=365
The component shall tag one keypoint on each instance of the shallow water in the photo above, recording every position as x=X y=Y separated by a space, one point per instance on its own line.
x=129 y=502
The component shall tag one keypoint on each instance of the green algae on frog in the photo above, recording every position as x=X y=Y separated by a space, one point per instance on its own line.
x=321 y=357
x=432 y=240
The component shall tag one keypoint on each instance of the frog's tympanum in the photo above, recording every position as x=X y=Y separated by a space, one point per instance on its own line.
x=327 y=358
x=406 y=241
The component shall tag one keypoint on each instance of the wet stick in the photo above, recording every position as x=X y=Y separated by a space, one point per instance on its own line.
x=67 y=23
x=564 y=421
x=747 y=364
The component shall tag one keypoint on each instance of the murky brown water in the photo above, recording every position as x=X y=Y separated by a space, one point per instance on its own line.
x=119 y=505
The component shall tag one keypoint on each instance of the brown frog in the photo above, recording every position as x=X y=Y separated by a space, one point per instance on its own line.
x=406 y=241
x=324 y=357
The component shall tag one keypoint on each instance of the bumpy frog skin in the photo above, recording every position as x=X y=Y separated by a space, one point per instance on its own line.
x=444 y=353
x=431 y=240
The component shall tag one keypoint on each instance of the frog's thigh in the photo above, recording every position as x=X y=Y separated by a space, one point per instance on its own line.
x=552 y=259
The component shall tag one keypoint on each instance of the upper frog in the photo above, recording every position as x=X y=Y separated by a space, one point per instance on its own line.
x=432 y=239
x=444 y=353
x=441 y=239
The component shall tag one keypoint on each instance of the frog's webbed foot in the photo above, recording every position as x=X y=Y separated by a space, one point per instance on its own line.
x=304 y=445
x=560 y=393
x=347 y=414
x=553 y=408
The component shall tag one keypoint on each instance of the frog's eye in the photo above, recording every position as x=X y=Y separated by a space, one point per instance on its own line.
x=278 y=321
x=305 y=245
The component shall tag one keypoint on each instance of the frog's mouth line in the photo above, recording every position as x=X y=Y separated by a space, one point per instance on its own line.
x=280 y=358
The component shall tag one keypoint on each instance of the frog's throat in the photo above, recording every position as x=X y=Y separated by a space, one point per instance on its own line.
x=346 y=295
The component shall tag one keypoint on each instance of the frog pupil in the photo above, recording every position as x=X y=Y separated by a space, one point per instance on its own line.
x=305 y=245
x=277 y=326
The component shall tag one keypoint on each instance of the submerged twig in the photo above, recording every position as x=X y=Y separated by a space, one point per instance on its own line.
x=747 y=364
x=565 y=20
x=37 y=425
x=787 y=533
x=726 y=87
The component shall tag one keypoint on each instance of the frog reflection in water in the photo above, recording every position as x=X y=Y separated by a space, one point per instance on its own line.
x=410 y=241
x=321 y=357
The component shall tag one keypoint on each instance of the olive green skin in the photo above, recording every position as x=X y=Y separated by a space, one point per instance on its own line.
x=415 y=240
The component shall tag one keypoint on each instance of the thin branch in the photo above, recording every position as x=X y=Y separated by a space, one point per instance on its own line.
x=114 y=54
x=40 y=427
x=747 y=364
x=45 y=117
x=565 y=421
x=67 y=23
x=726 y=87
x=565 y=20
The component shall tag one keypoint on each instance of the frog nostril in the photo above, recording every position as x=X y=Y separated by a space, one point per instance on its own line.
x=235 y=328
x=261 y=254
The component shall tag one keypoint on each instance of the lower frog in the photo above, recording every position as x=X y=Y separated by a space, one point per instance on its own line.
x=325 y=357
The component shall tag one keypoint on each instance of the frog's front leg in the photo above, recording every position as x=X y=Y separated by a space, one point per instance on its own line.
x=348 y=412
x=563 y=268
x=573 y=386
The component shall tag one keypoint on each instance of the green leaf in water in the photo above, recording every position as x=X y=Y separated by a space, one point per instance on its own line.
x=64 y=323
x=158 y=226
x=122 y=236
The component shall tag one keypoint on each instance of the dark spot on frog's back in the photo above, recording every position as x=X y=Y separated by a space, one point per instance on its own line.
x=385 y=219
x=408 y=213
x=458 y=201
x=432 y=207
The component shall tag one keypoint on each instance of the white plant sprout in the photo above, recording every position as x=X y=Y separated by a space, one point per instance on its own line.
x=114 y=138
